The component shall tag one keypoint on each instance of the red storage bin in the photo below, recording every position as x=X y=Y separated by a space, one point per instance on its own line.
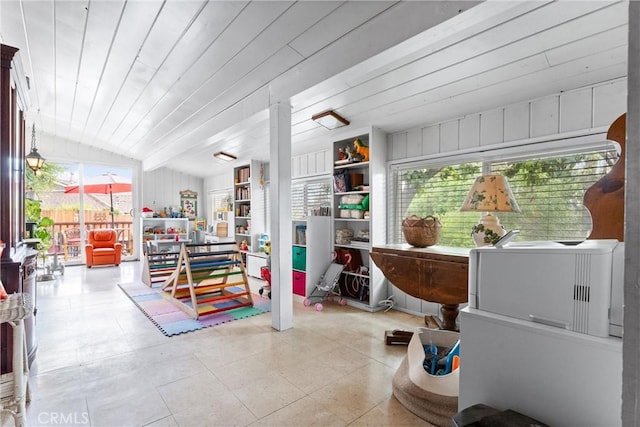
x=300 y=283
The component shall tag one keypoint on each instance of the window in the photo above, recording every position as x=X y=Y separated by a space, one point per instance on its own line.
x=221 y=203
x=314 y=195
x=549 y=191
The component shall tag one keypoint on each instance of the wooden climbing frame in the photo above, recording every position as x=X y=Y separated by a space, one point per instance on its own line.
x=158 y=267
x=208 y=278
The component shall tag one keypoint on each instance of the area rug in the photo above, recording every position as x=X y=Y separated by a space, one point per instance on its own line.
x=171 y=320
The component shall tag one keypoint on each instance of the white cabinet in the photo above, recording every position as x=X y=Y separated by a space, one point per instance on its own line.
x=311 y=252
x=255 y=261
x=163 y=230
x=359 y=213
x=557 y=376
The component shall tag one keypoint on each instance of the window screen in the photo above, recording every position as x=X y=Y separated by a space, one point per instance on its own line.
x=549 y=191
x=312 y=196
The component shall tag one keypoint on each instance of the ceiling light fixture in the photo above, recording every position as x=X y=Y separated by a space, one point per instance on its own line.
x=224 y=156
x=34 y=160
x=330 y=119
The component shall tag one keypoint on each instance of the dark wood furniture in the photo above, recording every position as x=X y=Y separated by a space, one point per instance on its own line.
x=18 y=261
x=437 y=274
x=605 y=198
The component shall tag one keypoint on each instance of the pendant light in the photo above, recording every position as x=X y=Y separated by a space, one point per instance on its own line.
x=34 y=160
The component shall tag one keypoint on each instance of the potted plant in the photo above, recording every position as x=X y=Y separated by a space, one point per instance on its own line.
x=41 y=229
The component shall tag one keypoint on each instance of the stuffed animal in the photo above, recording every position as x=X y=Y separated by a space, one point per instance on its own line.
x=361 y=149
x=351 y=153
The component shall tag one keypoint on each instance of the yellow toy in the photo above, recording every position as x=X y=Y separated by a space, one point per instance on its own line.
x=361 y=149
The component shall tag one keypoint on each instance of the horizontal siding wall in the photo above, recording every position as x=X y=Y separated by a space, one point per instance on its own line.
x=161 y=188
x=310 y=164
x=571 y=112
x=567 y=112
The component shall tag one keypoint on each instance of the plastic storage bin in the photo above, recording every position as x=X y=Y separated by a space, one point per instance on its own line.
x=299 y=258
x=299 y=283
x=433 y=398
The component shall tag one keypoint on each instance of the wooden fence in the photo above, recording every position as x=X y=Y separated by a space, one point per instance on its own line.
x=67 y=237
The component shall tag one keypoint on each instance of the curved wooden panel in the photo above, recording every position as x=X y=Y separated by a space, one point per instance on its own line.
x=605 y=198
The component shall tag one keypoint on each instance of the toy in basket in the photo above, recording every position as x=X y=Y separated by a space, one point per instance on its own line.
x=328 y=286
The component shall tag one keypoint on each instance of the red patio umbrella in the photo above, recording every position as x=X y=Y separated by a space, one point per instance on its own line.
x=107 y=183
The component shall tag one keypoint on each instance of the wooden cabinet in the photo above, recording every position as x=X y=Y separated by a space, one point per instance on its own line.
x=17 y=265
x=360 y=179
x=311 y=252
x=437 y=273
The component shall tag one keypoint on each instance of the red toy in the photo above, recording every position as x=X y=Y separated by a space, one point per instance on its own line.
x=265 y=273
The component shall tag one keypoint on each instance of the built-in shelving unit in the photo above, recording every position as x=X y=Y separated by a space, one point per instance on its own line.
x=249 y=214
x=359 y=215
x=311 y=252
x=165 y=229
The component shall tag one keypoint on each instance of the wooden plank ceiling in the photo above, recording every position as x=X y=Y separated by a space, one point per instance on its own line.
x=171 y=82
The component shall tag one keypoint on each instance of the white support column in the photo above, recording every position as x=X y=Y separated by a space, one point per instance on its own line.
x=631 y=340
x=280 y=189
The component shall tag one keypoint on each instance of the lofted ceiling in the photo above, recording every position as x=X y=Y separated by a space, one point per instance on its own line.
x=172 y=82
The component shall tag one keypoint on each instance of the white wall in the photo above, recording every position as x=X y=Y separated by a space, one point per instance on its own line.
x=553 y=117
x=571 y=112
x=315 y=163
x=161 y=188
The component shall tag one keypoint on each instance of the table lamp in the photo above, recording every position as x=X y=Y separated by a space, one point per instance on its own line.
x=489 y=193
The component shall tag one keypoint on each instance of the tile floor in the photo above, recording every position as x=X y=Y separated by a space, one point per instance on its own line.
x=100 y=362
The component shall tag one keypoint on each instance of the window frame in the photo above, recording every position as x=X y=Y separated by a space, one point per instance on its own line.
x=551 y=146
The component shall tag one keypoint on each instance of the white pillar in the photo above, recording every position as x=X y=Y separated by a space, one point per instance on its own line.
x=280 y=197
x=631 y=340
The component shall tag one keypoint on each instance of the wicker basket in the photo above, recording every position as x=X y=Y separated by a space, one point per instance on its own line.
x=344 y=236
x=421 y=232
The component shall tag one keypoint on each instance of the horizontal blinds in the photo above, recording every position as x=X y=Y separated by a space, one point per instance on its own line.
x=310 y=196
x=550 y=194
x=548 y=190
x=437 y=191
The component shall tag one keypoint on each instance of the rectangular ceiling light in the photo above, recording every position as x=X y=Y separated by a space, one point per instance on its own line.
x=330 y=119
x=224 y=156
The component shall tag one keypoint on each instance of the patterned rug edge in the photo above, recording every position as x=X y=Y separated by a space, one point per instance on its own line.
x=259 y=308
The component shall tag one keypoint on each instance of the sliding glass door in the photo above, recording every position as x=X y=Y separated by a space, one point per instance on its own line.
x=80 y=197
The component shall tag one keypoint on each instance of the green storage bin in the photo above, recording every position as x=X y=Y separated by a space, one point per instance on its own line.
x=299 y=258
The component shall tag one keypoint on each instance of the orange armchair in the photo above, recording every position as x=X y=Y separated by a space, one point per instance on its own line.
x=102 y=248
